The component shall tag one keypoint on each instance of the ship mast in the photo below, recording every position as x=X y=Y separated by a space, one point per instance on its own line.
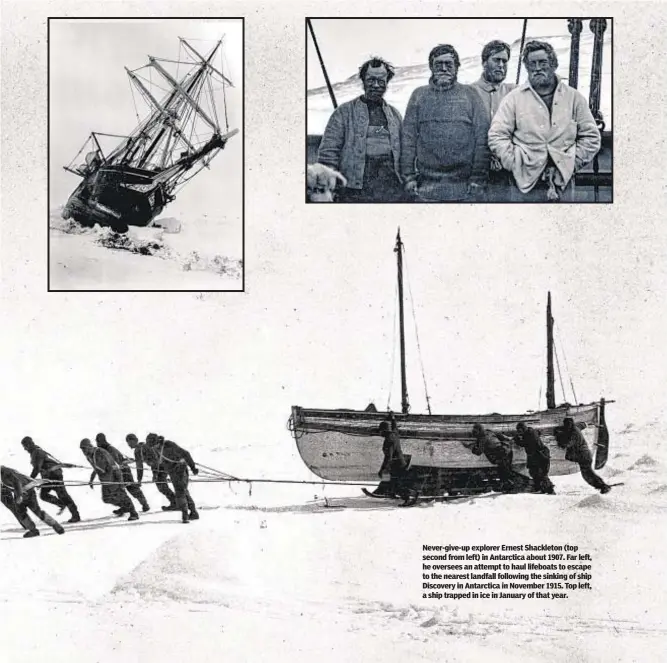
x=551 y=392
x=405 y=405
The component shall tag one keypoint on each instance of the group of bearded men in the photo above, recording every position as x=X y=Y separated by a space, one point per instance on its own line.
x=490 y=141
x=167 y=460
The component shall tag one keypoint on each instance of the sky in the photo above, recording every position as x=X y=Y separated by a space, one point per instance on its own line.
x=90 y=91
x=314 y=327
x=346 y=43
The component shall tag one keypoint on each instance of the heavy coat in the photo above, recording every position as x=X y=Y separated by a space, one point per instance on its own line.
x=523 y=134
x=343 y=145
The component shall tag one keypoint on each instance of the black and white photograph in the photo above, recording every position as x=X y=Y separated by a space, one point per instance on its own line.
x=416 y=432
x=437 y=110
x=145 y=154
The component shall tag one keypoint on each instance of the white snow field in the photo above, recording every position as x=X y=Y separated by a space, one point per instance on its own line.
x=305 y=572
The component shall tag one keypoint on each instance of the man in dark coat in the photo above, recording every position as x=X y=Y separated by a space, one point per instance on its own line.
x=19 y=500
x=131 y=486
x=7 y=498
x=569 y=437
x=51 y=470
x=111 y=478
x=394 y=463
x=145 y=454
x=538 y=457
x=175 y=461
x=498 y=451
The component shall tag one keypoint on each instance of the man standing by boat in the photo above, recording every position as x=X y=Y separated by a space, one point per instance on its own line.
x=576 y=448
x=145 y=454
x=111 y=478
x=51 y=471
x=394 y=463
x=492 y=89
x=362 y=140
x=445 y=156
x=18 y=500
x=175 y=461
x=538 y=457
x=131 y=486
x=543 y=131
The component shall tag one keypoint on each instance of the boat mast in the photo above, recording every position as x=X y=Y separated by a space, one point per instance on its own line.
x=551 y=392
x=405 y=405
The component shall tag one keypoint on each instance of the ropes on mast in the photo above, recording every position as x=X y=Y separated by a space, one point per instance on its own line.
x=560 y=377
x=567 y=368
x=393 y=349
x=419 y=351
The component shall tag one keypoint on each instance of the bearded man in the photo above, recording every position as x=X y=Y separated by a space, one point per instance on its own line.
x=543 y=131
x=492 y=89
x=445 y=157
x=362 y=140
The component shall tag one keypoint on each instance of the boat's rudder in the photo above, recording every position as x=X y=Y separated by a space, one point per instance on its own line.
x=602 y=449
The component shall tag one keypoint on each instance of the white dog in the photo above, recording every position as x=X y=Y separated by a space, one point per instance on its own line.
x=321 y=182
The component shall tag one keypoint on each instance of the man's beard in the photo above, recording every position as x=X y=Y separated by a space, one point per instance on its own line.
x=444 y=80
x=542 y=79
x=495 y=76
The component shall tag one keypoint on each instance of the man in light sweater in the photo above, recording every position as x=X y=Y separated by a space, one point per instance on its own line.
x=543 y=131
x=444 y=156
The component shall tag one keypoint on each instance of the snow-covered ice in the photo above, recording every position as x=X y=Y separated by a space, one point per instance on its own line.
x=312 y=572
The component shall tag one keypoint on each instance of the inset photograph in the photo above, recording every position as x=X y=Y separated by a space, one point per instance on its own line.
x=146 y=154
x=460 y=110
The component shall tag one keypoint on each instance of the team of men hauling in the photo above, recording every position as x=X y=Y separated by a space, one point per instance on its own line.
x=491 y=141
x=497 y=449
x=167 y=460
x=170 y=462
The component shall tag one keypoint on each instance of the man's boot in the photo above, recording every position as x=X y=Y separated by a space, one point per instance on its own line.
x=30 y=533
x=53 y=523
x=144 y=504
x=194 y=514
x=133 y=515
x=183 y=504
x=76 y=518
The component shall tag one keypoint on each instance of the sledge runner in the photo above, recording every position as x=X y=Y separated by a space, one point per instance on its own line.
x=569 y=437
x=111 y=478
x=145 y=454
x=175 y=461
x=19 y=500
x=51 y=470
x=538 y=457
x=131 y=486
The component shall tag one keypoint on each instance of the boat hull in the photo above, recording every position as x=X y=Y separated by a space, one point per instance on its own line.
x=117 y=197
x=345 y=445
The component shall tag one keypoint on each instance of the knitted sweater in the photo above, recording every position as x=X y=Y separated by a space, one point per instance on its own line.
x=444 y=141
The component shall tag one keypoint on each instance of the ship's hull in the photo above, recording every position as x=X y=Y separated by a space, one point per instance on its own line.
x=345 y=445
x=118 y=197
